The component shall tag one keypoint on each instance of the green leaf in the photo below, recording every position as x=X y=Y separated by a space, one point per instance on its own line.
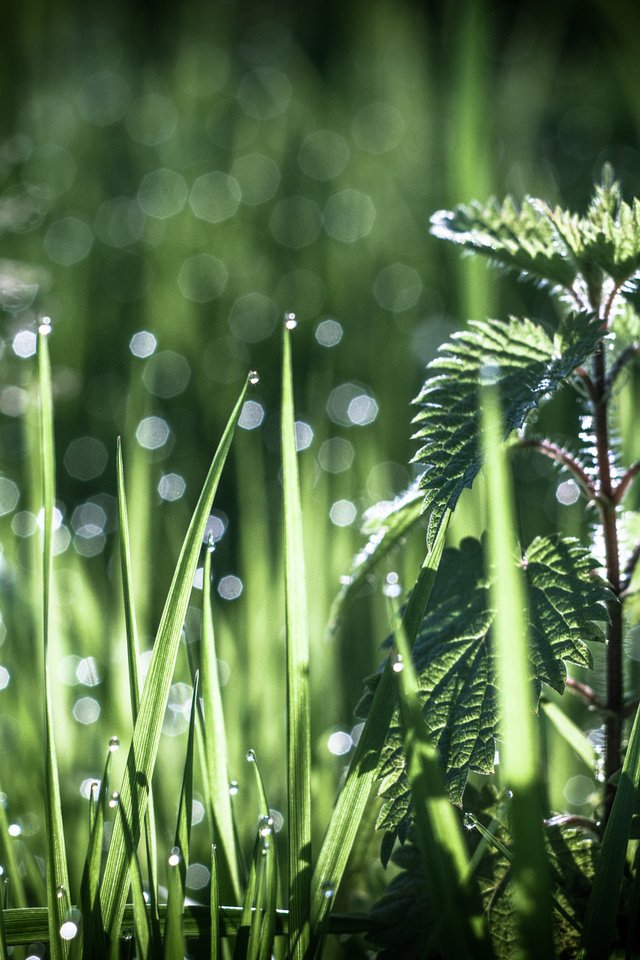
x=552 y=245
x=517 y=238
x=146 y=735
x=531 y=367
x=454 y=656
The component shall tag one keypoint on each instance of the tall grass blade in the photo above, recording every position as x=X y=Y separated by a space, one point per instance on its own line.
x=148 y=727
x=519 y=747
x=215 y=749
x=600 y=918
x=456 y=902
x=214 y=909
x=174 y=942
x=4 y=950
x=133 y=659
x=298 y=711
x=343 y=826
x=93 y=941
x=570 y=732
x=57 y=879
x=262 y=933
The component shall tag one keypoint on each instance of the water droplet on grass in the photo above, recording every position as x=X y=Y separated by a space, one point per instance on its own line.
x=290 y=321
x=233 y=788
x=68 y=930
x=44 y=328
x=254 y=377
x=250 y=756
x=265 y=827
x=398 y=664
x=60 y=892
x=174 y=857
x=114 y=744
x=114 y=799
x=328 y=890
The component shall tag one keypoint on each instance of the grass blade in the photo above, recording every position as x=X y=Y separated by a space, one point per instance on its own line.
x=600 y=918
x=519 y=749
x=214 y=909
x=57 y=879
x=344 y=823
x=570 y=732
x=4 y=950
x=261 y=937
x=462 y=928
x=174 y=942
x=8 y=859
x=298 y=713
x=148 y=728
x=215 y=750
x=133 y=658
x=93 y=943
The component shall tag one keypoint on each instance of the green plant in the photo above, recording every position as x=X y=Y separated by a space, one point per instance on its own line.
x=508 y=628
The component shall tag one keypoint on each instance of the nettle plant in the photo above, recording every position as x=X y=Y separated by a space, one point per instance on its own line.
x=575 y=597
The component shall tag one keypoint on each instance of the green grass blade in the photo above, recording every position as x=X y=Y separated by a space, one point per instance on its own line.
x=600 y=918
x=214 y=909
x=215 y=749
x=57 y=879
x=455 y=900
x=93 y=942
x=344 y=823
x=133 y=658
x=174 y=942
x=4 y=950
x=148 y=728
x=570 y=732
x=298 y=711
x=261 y=938
x=519 y=747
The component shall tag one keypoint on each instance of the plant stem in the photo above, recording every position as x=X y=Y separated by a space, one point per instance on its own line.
x=607 y=507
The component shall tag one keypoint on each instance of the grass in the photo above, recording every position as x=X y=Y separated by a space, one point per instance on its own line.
x=436 y=77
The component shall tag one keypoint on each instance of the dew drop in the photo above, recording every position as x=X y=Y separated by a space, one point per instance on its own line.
x=290 y=321
x=398 y=664
x=60 y=892
x=266 y=826
x=114 y=744
x=250 y=756
x=233 y=788
x=469 y=822
x=254 y=377
x=68 y=930
x=211 y=543
x=114 y=799
x=174 y=857
x=44 y=329
x=328 y=890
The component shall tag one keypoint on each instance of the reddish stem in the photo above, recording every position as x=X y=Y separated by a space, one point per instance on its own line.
x=554 y=452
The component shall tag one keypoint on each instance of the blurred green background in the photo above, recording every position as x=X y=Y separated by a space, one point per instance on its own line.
x=173 y=178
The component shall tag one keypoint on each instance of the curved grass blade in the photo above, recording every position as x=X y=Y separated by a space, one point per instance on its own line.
x=174 y=942
x=342 y=829
x=57 y=878
x=262 y=931
x=215 y=750
x=298 y=711
x=520 y=755
x=461 y=927
x=600 y=918
x=133 y=659
x=148 y=727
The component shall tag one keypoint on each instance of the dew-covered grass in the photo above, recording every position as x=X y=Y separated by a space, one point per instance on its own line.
x=166 y=196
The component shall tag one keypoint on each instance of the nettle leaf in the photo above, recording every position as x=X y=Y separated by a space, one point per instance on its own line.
x=454 y=657
x=552 y=245
x=531 y=367
x=520 y=238
x=402 y=921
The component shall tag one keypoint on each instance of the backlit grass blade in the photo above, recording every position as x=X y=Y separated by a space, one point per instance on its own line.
x=214 y=909
x=4 y=950
x=133 y=659
x=93 y=942
x=262 y=932
x=600 y=919
x=174 y=942
x=519 y=747
x=298 y=714
x=155 y=694
x=456 y=902
x=215 y=749
x=570 y=732
x=57 y=879
x=344 y=823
